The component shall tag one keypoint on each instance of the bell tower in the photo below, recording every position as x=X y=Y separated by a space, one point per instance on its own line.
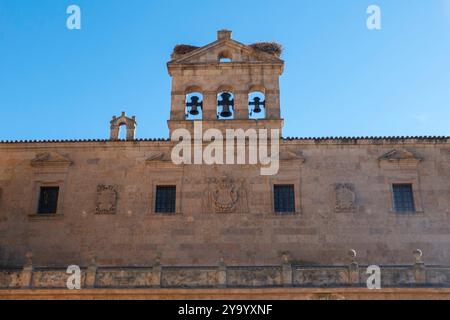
x=226 y=85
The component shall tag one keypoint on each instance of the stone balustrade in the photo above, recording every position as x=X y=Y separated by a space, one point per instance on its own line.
x=223 y=276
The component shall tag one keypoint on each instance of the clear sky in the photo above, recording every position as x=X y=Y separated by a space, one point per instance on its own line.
x=340 y=79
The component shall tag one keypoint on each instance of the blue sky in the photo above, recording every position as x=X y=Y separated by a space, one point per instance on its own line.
x=340 y=78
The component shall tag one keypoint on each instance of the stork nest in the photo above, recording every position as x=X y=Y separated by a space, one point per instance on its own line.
x=268 y=47
x=183 y=49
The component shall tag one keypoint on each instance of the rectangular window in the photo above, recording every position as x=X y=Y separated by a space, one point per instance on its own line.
x=165 y=199
x=284 y=198
x=403 y=198
x=48 y=200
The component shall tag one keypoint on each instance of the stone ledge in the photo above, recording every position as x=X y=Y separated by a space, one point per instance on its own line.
x=228 y=294
x=40 y=217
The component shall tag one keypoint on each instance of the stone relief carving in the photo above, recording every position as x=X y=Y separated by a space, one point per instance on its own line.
x=106 y=199
x=345 y=198
x=225 y=195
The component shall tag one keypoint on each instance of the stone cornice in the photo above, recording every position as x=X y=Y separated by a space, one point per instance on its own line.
x=220 y=67
x=389 y=141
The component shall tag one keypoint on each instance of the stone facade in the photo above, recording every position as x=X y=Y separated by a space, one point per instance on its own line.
x=200 y=233
x=107 y=190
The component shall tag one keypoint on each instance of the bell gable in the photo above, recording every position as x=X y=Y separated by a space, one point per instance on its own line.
x=227 y=48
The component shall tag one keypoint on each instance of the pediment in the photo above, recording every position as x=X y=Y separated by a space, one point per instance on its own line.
x=50 y=159
x=288 y=155
x=160 y=159
x=239 y=52
x=400 y=158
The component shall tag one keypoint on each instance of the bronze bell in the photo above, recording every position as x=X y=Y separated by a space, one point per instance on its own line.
x=194 y=111
x=227 y=104
x=257 y=108
x=226 y=113
x=194 y=104
x=258 y=104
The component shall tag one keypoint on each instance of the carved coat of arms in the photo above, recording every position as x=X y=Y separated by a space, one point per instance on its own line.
x=106 y=199
x=345 y=198
x=226 y=195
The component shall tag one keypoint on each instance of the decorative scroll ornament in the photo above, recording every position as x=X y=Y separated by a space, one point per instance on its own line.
x=106 y=199
x=345 y=198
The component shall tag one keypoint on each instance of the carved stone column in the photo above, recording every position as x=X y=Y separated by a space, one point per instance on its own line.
x=286 y=271
x=419 y=268
x=157 y=270
x=353 y=270
x=222 y=274
x=91 y=274
x=27 y=272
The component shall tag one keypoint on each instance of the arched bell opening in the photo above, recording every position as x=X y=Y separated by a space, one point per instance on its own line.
x=122 y=127
x=122 y=131
x=194 y=106
x=225 y=106
x=257 y=105
x=225 y=57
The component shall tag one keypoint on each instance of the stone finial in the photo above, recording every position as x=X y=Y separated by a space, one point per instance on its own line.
x=418 y=254
x=223 y=34
x=29 y=259
x=92 y=260
x=353 y=254
x=129 y=123
x=353 y=271
x=157 y=262
x=285 y=257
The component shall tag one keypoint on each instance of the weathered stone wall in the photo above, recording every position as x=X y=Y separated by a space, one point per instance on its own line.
x=128 y=233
